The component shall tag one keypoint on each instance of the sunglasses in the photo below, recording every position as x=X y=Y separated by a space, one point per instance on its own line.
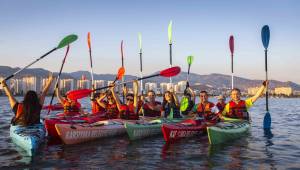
x=129 y=99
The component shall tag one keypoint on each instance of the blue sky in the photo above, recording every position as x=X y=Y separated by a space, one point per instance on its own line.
x=200 y=28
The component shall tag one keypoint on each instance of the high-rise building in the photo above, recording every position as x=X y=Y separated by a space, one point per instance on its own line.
x=150 y=86
x=181 y=86
x=163 y=87
x=283 y=91
x=66 y=85
x=83 y=84
x=30 y=83
x=99 y=83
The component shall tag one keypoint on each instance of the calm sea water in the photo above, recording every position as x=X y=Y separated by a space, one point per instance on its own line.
x=279 y=149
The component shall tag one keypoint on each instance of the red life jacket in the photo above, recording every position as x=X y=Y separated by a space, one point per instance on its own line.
x=112 y=111
x=149 y=112
x=205 y=111
x=96 y=108
x=71 y=108
x=221 y=106
x=238 y=110
x=127 y=112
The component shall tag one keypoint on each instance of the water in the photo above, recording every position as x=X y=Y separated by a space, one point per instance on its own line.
x=279 y=150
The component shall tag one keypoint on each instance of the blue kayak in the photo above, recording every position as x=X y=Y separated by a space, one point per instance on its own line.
x=29 y=138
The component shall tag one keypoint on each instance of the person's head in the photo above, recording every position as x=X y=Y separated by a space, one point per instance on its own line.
x=109 y=97
x=31 y=107
x=203 y=96
x=221 y=98
x=129 y=98
x=168 y=96
x=151 y=95
x=187 y=94
x=235 y=94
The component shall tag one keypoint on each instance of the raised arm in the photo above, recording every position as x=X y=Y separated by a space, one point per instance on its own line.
x=193 y=95
x=59 y=97
x=46 y=88
x=116 y=98
x=260 y=91
x=11 y=98
x=135 y=95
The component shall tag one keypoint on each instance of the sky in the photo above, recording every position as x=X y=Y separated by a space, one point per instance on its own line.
x=201 y=28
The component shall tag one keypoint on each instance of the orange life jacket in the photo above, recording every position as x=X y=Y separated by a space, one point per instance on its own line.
x=238 y=110
x=71 y=108
x=128 y=112
x=96 y=108
x=205 y=111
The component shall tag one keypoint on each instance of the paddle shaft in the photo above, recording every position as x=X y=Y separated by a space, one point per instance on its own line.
x=91 y=64
x=141 y=69
x=231 y=71
x=58 y=78
x=11 y=76
x=266 y=69
x=171 y=63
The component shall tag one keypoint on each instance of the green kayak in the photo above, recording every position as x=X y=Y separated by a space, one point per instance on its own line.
x=146 y=129
x=227 y=130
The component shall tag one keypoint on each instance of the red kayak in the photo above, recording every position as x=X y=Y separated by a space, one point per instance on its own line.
x=184 y=129
x=56 y=106
x=50 y=122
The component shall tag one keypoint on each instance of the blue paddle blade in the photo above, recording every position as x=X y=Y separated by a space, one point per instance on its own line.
x=265 y=36
x=267 y=121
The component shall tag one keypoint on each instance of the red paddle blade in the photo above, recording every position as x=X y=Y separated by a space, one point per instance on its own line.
x=231 y=44
x=89 y=39
x=121 y=73
x=78 y=94
x=170 y=72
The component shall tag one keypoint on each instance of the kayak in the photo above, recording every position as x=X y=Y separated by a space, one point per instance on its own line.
x=29 y=138
x=184 y=129
x=50 y=122
x=54 y=107
x=79 y=133
x=227 y=130
x=146 y=129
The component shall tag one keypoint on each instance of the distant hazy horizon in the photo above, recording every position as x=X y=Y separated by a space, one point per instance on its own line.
x=200 y=28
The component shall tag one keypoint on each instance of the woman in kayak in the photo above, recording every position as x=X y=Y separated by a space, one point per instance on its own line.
x=109 y=105
x=221 y=102
x=96 y=101
x=187 y=101
x=170 y=106
x=151 y=108
x=205 y=108
x=128 y=110
x=27 y=113
x=237 y=108
x=71 y=107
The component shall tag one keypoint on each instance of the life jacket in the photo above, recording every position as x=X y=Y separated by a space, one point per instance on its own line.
x=221 y=106
x=19 y=118
x=149 y=112
x=112 y=111
x=96 y=108
x=205 y=111
x=238 y=110
x=127 y=112
x=71 y=108
x=171 y=106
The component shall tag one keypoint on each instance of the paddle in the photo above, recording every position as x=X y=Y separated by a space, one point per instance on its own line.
x=91 y=61
x=231 y=46
x=170 y=44
x=64 y=42
x=141 y=61
x=77 y=94
x=58 y=77
x=185 y=101
x=81 y=93
x=122 y=58
x=265 y=37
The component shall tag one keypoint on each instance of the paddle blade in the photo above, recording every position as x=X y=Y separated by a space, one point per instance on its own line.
x=78 y=94
x=184 y=104
x=267 y=121
x=231 y=44
x=170 y=32
x=121 y=73
x=67 y=40
x=170 y=72
x=89 y=39
x=265 y=36
x=190 y=59
x=140 y=41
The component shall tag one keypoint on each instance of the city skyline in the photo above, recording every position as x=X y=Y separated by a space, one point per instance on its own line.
x=200 y=28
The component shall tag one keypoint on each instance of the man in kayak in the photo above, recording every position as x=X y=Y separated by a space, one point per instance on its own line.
x=71 y=107
x=27 y=113
x=221 y=102
x=205 y=108
x=237 y=108
x=151 y=107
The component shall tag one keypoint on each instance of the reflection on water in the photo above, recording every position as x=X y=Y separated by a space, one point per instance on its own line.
x=278 y=148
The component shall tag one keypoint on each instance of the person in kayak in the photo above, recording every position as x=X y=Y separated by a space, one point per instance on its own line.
x=109 y=105
x=128 y=110
x=151 y=107
x=96 y=101
x=221 y=102
x=170 y=106
x=187 y=101
x=71 y=107
x=205 y=108
x=27 y=112
x=237 y=108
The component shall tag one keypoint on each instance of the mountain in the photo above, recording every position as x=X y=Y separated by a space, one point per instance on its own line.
x=217 y=81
